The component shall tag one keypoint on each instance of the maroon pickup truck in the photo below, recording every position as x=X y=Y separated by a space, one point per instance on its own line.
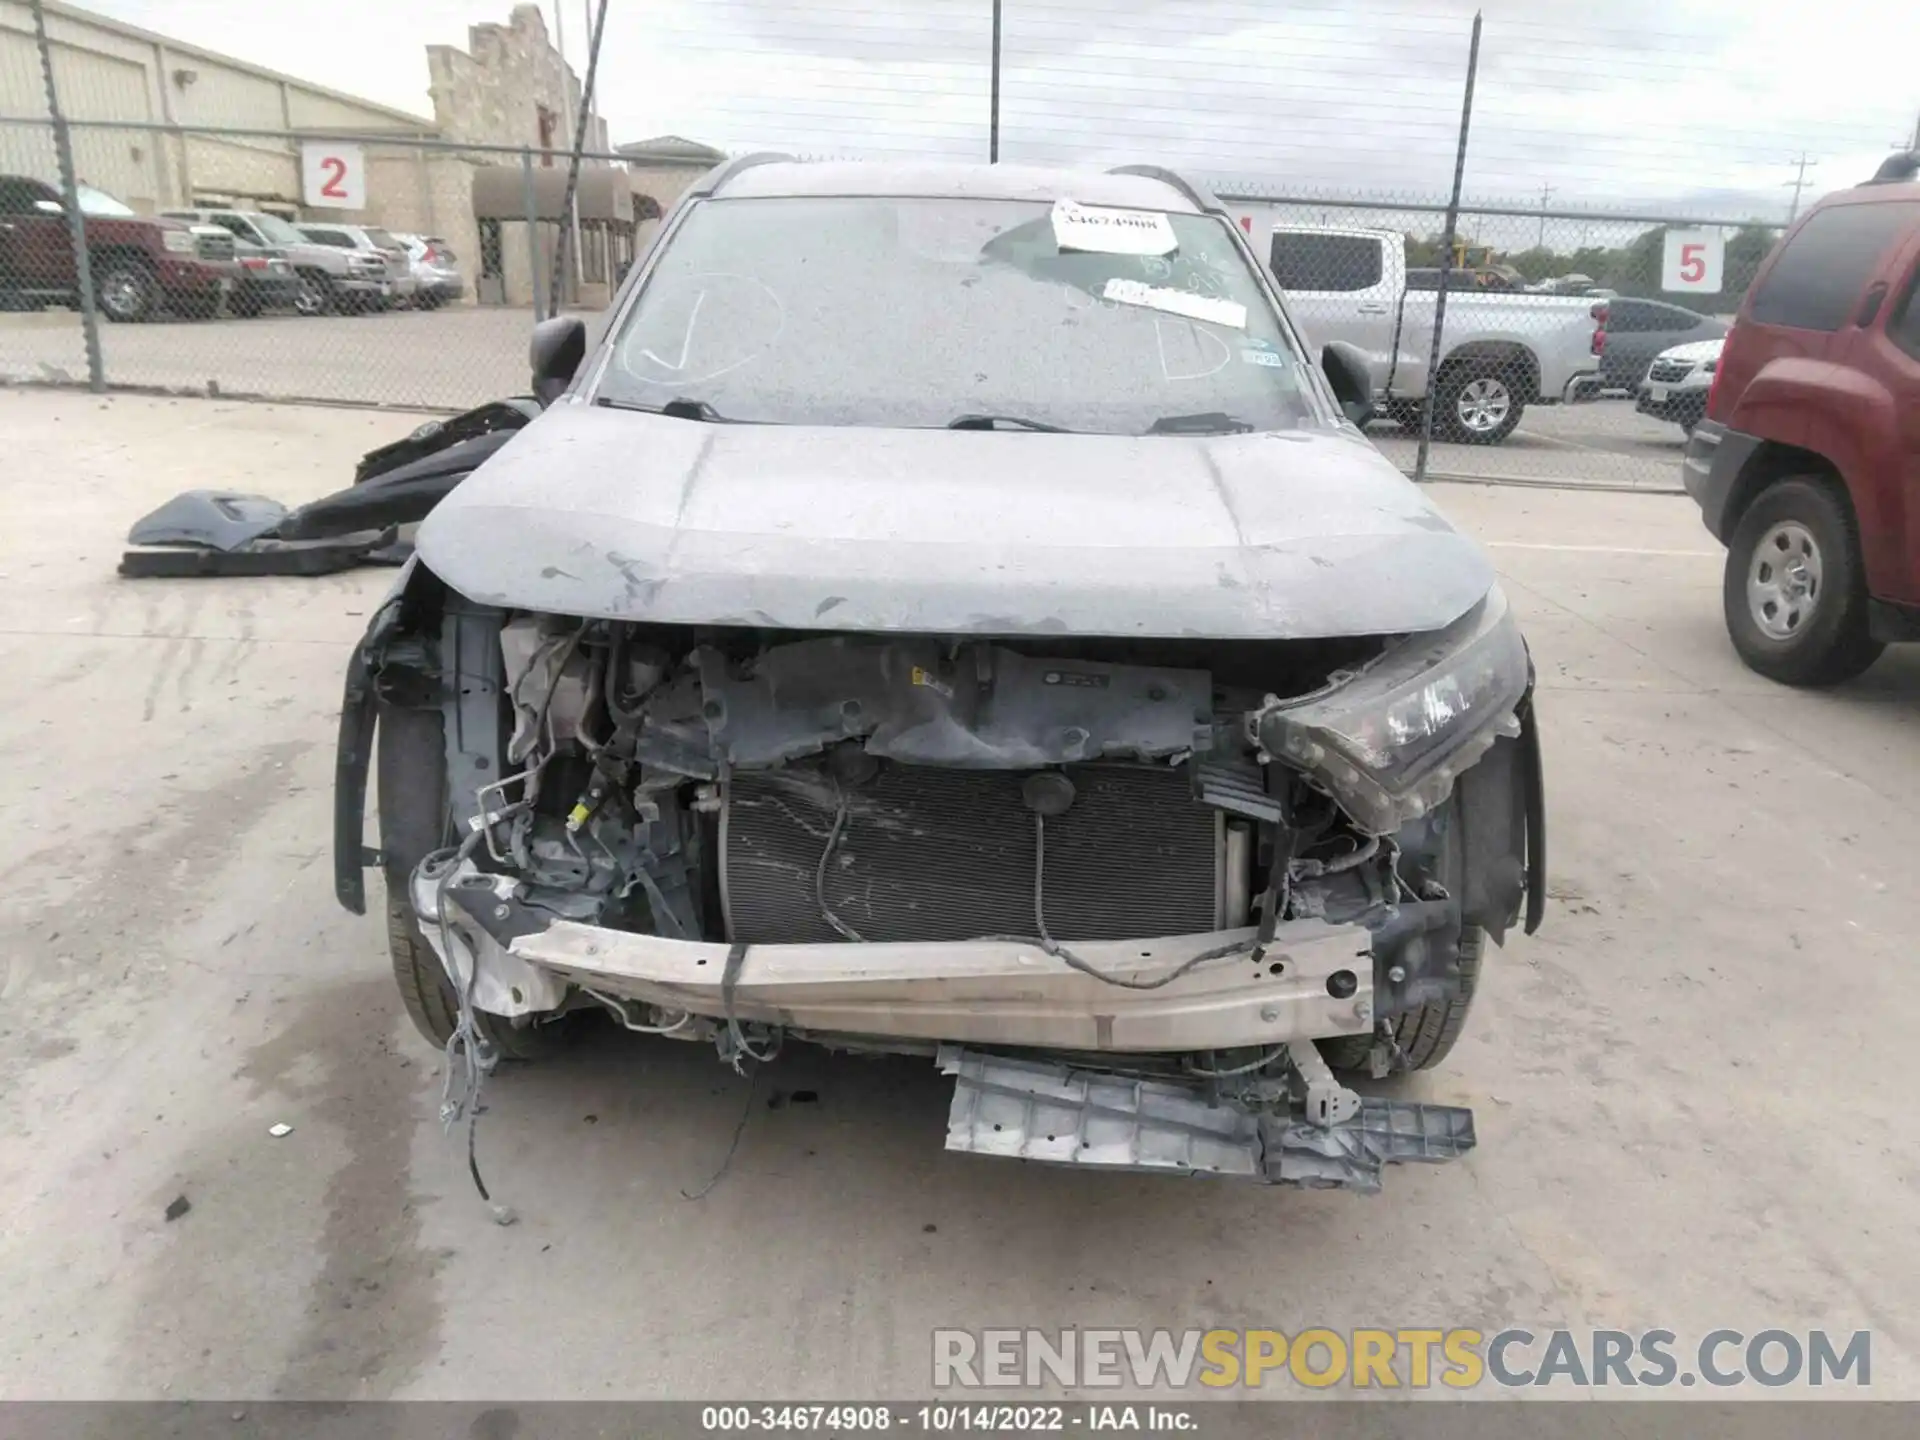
x=1807 y=466
x=139 y=263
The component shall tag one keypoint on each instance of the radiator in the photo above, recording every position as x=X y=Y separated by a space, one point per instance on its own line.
x=938 y=854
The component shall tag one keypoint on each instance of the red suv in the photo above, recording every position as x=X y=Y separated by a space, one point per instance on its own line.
x=1807 y=466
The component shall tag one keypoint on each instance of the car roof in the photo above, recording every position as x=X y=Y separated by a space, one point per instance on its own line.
x=948 y=179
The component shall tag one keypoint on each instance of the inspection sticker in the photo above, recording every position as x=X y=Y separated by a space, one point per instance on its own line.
x=1268 y=358
x=1112 y=232
x=1177 y=302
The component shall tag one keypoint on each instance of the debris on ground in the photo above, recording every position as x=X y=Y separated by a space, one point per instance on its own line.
x=280 y=1130
x=177 y=1207
x=223 y=532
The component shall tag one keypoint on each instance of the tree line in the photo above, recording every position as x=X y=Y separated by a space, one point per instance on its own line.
x=1631 y=269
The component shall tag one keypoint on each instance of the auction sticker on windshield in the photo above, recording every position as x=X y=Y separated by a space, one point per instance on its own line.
x=1112 y=232
x=1177 y=302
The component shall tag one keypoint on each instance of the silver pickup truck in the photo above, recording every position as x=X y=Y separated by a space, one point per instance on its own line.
x=1503 y=350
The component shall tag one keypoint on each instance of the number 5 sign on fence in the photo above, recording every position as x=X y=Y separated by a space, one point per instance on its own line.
x=1693 y=260
x=333 y=177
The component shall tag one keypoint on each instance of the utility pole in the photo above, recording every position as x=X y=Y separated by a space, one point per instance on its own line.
x=1799 y=183
x=1546 y=194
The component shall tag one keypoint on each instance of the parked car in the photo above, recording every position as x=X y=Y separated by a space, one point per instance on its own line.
x=266 y=279
x=1191 y=762
x=1807 y=466
x=436 y=270
x=1676 y=383
x=1638 y=330
x=327 y=277
x=393 y=282
x=1504 y=350
x=138 y=263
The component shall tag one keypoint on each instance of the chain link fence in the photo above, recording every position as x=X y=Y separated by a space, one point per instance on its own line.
x=1567 y=343
x=210 y=276
x=1545 y=367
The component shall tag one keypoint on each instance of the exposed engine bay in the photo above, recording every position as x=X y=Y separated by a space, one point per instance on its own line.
x=1121 y=884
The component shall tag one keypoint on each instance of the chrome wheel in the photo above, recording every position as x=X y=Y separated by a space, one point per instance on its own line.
x=312 y=299
x=1783 y=580
x=1484 y=405
x=123 y=293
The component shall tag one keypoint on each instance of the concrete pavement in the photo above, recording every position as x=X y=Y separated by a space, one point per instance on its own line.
x=1690 y=1086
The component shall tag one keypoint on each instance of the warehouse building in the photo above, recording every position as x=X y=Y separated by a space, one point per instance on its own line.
x=509 y=87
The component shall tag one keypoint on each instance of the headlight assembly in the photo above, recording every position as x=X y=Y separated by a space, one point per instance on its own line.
x=1389 y=742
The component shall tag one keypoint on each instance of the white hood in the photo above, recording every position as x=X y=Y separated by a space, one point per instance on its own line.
x=611 y=514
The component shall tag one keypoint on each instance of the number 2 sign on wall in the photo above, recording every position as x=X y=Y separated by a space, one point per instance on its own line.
x=332 y=176
x=1692 y=260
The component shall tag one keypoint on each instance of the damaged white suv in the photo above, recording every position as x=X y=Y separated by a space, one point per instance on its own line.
x=945 y=611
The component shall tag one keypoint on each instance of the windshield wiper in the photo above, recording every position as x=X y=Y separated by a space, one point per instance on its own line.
x=680 y=408
x=993 y=422
x=1205 y=422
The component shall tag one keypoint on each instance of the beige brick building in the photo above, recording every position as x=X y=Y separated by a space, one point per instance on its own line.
x=508 y=87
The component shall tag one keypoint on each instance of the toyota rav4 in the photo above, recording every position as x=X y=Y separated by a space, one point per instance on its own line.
x=945 y=611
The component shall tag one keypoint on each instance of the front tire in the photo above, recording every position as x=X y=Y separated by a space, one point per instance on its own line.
x=1426 y=1033
x=126 y=289
x=412 y=771
x=1795 y=589
x=1476 y=405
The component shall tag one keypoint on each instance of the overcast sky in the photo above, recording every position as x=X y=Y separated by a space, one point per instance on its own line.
x=1703 y=103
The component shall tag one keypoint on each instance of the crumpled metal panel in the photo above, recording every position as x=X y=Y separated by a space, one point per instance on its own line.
x=1031 y=1110
x=1034 y=1110
x=503 y=984
x=1349 y=1155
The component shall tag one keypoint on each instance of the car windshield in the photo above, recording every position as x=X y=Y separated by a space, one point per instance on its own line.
x=918 y=312
x=381 y=240
x=98 y=202
x=277 y=231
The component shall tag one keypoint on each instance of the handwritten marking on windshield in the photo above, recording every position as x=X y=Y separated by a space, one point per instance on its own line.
x=737 y=298
x=1197 y=341
x=686 y=338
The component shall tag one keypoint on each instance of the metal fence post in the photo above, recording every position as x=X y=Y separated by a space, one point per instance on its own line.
x=70 y=197
x=1446 y=258
x=533 y=233
x=993 y=103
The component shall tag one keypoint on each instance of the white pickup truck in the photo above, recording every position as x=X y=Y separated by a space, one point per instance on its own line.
x=1502 y=351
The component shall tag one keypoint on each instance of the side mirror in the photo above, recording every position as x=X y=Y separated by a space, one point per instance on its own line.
x=555 y=352
x=1346 y=370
